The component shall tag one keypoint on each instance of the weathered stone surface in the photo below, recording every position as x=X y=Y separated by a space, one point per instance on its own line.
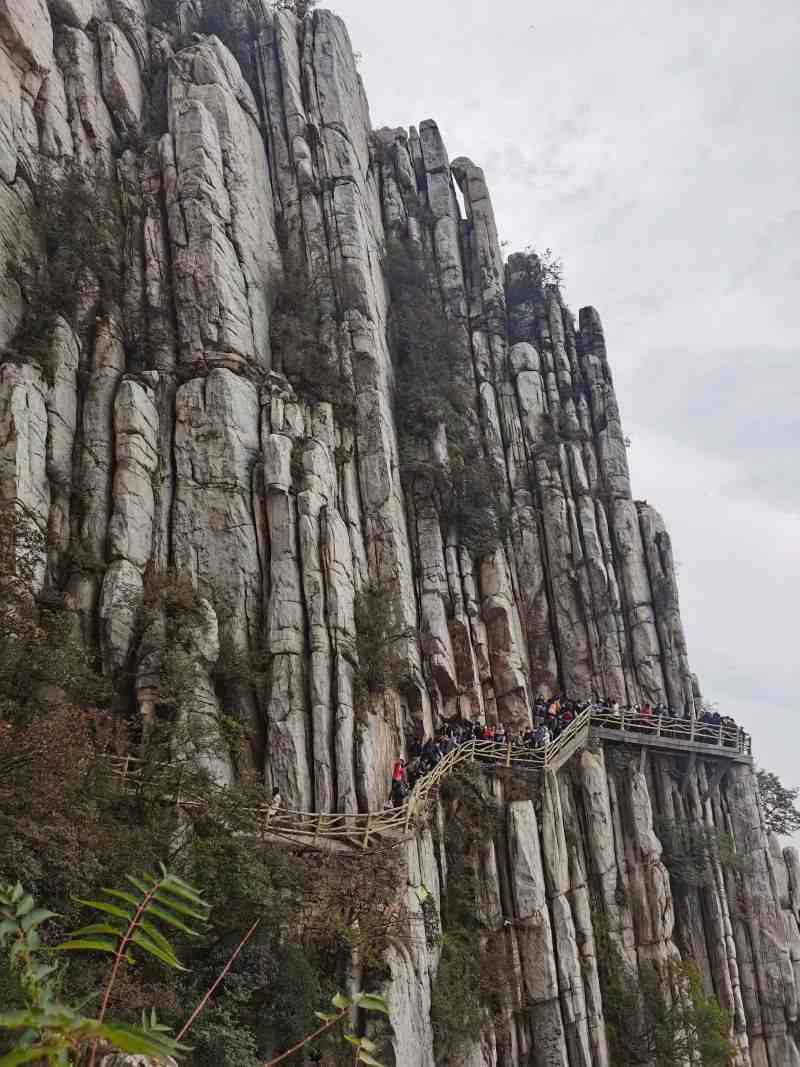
x=92 y=127
x=26 y=30
x=23 y=448
x=62 y=423
x=535 y=938
x=122 y=81
x=210 y=75
x=130 y=531
x=119 y=604
x=214 y=526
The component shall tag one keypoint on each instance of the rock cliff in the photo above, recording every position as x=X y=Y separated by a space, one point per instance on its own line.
x=165 y=422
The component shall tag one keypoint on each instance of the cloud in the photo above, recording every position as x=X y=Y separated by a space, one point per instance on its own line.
x=737 y=404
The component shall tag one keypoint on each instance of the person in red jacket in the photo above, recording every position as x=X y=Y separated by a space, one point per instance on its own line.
x=399 y=789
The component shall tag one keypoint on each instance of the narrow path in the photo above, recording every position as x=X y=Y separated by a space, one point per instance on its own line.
x=366 y=829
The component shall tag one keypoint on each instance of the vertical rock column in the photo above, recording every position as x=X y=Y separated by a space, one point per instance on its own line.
x=535 y=938
x=646 y=679
x=508 y=649
x=130 y=534
x=570 y=963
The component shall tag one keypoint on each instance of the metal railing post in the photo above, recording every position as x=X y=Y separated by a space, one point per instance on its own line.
x=658 y=727
x=691 y=729
x=508 y=753
x=365 y=840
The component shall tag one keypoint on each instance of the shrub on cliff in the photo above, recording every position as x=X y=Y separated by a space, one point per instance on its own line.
x=379 y=666
x=299 y=346
x=471 y=988
x=42 y=656
x=301 y=8
x=79 y=237
x=777 y=803
x=691 y=852
x=434 y=388
x=427 y=349
x=660 y=1016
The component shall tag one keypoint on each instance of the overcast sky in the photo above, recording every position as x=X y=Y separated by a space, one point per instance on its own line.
x=655 y=148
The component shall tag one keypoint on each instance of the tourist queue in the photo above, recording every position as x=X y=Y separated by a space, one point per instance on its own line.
x=550 y=718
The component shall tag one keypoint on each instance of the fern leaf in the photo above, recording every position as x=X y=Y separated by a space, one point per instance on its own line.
x=85 y=944
x=153 y=949
x=109 y=909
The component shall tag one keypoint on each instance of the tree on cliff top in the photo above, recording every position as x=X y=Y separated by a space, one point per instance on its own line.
x=777 y=802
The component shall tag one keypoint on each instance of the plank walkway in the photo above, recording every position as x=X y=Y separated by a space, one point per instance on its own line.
x=392 y=825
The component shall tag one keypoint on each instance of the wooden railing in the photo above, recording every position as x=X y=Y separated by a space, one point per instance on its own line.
x=708 y=735
x=360 y=828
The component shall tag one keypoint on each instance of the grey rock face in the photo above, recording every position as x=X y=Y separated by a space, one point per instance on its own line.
x=160 y=433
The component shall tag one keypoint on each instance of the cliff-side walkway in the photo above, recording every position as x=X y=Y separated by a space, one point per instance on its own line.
x=366 y=829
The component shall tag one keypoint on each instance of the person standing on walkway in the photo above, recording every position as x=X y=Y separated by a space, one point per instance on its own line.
x=398 y=782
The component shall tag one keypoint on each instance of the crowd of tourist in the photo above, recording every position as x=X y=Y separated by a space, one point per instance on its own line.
x=549 y=720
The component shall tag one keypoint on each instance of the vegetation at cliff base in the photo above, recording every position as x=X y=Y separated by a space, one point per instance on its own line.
x=131 y=925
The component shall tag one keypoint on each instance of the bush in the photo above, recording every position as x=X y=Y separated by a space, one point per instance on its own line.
x=690 y=852
x=659 y=1017
x=434 y=387
x=471 y=986
x=777 y=803
x=42 y=656
x=296 y=336
x=379 y=667
x=548 y=269
x=301 y=8
x=80 y=234
x=432 y=383
x=474 y=503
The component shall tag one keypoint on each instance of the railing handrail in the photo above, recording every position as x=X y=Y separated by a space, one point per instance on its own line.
x=418 y=802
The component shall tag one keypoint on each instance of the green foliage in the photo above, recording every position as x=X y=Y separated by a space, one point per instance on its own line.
x=46 y=1029
x=473 y=502
x=300 y=346
x=130 y=919
x=435 y=387
x=691 y=851
x=41 y=654
x=379 y=666
x=163 y=13
x=777 y=803
x=132 y=923
x=220 y=1040
x=79 y=235
x=548 y=269
x=658 y=1017
x=364 y=1047
x=432 y=384
x=471 y=984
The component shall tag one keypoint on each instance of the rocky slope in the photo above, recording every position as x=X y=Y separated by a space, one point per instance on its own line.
x=157 y=427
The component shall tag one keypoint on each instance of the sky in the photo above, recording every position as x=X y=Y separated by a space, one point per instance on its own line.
x=654 y=147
